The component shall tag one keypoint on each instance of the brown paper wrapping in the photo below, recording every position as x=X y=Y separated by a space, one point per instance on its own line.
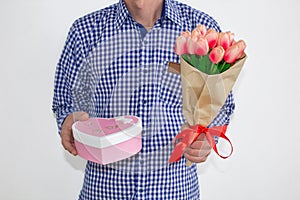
x=204 y=95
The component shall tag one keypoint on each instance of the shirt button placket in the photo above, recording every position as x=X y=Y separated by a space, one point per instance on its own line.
x=143 y=72
x=140 y=184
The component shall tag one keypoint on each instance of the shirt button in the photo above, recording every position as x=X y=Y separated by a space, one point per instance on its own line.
x=145 y=71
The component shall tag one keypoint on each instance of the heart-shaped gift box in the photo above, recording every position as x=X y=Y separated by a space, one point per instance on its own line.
x=104 y=141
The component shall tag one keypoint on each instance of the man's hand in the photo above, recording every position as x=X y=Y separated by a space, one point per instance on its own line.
x=66 y=134
x=198 y=151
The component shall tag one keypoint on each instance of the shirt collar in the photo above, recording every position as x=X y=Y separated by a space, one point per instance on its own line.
x=169 y=11
x=122 y=14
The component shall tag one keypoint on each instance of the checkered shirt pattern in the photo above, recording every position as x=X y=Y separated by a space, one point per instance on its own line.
x=108 y=69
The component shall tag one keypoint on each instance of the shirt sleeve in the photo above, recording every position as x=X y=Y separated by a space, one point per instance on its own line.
x=66 y=72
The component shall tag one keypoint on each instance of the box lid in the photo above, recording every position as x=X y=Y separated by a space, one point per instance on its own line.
x=104 y=132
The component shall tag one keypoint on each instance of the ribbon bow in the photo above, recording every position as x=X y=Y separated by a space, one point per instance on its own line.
x=189 y=135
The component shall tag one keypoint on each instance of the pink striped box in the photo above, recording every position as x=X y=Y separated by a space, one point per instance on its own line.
x=106 y=141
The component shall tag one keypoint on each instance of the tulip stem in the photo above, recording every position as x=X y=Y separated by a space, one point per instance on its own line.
x=224 y=66
x=214 y=69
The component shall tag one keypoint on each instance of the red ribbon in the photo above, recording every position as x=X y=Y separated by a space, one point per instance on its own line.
x=189 y=135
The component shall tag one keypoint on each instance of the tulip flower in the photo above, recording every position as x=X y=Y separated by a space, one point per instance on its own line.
x=201 y=29
x=181 y=45
x=201 y=47
x=216 y=55
x=224 y=40
x=234 y=52
x=186 y=34
x=191 y=46
x=231 y=37
x=196 y=34
x=242 y=46
x=212 y=37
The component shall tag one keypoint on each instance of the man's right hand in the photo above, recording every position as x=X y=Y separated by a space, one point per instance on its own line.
x=66 y=133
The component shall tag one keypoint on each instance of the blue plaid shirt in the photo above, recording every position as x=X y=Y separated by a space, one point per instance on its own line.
x=111 y=67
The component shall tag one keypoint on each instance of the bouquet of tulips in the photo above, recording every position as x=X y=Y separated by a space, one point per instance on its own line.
x=210 y=64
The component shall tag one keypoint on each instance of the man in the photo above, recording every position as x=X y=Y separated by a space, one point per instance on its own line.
x=115 y=63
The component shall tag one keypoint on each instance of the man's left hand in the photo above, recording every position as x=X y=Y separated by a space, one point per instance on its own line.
x=198 y=151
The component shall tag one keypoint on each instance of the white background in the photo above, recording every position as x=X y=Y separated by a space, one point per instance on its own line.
x=264 y=129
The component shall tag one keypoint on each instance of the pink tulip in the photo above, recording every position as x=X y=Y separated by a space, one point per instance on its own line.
x=234 y=52
x=242 y=46
x=196 y=34
x=181 y=45
x=224 y=40
x=186 y=33
x=201 y=47
x=191 y=46
x=231 y=37
x=216 y=55
x=201 y=29
x=212 y=37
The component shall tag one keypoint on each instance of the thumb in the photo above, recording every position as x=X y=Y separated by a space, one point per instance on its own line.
x=80 y=116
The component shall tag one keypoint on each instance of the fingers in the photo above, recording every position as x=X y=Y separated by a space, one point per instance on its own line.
x=196 y=155
x=80 y=116
x=198 y=151
x=196 y=159
x=66 y=134
x=67 y=141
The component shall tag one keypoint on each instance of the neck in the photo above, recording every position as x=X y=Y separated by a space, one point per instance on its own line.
x=145 y=12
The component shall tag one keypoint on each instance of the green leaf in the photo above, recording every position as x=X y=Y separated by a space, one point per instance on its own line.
x=223 y=66
x=203 y=64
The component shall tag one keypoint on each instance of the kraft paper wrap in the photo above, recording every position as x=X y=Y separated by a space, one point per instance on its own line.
x=204 y=95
